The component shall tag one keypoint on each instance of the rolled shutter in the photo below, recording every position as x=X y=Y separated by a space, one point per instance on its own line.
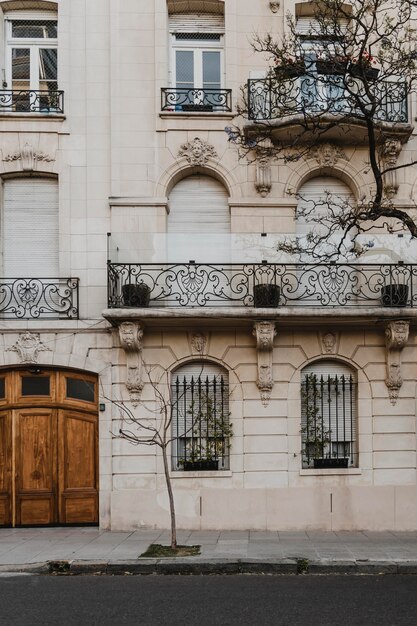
x=193 y=23
x=30 y=228
x=313 y=193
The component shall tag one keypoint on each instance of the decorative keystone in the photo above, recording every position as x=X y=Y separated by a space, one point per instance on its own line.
x=396 y=336
x=28 y=347
x=265 y=333
x=131 y=335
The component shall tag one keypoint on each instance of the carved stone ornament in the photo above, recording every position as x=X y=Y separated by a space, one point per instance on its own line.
x=327 y=154
x=265 y=333
x=263 y=182
x=274 y=6
x=329 y=343
x=197 y=152
x=390 y=151
x=28 y=157
x=131 y=335
x=198 y=343
x=396 y=336
x=28 y=347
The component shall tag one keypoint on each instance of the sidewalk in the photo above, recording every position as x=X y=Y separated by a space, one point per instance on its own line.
x=94 y=550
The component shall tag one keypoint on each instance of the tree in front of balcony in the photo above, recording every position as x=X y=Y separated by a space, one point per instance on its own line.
x=342 y=73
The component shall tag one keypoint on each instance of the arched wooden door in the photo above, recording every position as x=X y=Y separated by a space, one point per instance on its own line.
x=48 y=448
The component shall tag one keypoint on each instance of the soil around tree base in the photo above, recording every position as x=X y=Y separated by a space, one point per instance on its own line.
x=157 y=550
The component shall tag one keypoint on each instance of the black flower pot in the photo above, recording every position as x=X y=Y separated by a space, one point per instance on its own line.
x=266 y=296
x=370 y=73
x=136 y=295
x=291 y=70
x=331 y=463
x=394 y=295
x=202 y=465
x=331 y=67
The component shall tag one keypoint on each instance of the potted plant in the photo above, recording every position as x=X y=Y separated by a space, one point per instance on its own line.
x=136 y=294
x=335 y=66
x=361 y=67
x=289 y=67
x=317 y=441
x=394 y=295
x=210 y=433
x=266 y=295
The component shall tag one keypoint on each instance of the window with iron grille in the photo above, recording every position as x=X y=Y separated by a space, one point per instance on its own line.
x=197 y=63
x=201 y=426
x=31 y=71
x=329 y=416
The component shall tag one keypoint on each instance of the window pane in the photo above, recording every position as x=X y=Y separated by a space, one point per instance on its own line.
x=185 y=68
x=35 y=29
x=211 y=69
x=20 y=64
x=2 y=388
x=48 y=64
x=80 y=389
x=35 y=386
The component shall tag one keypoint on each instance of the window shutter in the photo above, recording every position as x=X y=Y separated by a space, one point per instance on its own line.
x=30 y=230
x=313 y=192
x=194 y=23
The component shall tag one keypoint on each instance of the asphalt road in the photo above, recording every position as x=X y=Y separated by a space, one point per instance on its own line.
x=208 y=600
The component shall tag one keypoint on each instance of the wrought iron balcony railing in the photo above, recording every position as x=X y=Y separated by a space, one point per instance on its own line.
x=31 y=101
x=38 y=298
x=196 y=100
x=270 y=99
x=264 y=284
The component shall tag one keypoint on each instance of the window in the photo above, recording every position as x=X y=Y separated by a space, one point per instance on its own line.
x=31 y=71
x=196 y=64
x=200 y=418
x=328 y=416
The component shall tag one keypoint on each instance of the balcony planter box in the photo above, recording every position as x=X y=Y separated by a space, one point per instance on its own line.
x=331 y=463
x=370 y=73
x=137 y=295
x=266 y=296
x=205 y=465
x=394 y=295
x=292 y=70
x=331 y=67
x=199 y=108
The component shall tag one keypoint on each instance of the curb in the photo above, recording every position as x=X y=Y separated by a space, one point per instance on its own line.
x=187 y=567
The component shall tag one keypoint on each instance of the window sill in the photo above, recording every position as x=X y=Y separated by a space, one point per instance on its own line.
x=204 y=474
x=32 y=116
x=332 y=471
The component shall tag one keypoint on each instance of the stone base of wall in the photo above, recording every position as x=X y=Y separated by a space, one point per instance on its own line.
x=340 y=508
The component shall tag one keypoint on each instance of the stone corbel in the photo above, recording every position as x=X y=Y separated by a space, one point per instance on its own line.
x=265 y=333
x=390 y=151
x=263 y=182
x=131 y=335
x=396 y=336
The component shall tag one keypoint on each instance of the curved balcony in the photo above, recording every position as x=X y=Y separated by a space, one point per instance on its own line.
x=314 y=105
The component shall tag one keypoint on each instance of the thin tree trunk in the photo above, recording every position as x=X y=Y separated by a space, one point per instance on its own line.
x=171 y=499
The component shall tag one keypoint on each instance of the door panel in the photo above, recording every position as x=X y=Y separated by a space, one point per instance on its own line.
x=36 y=457
x=5 y=469
x=78 y=475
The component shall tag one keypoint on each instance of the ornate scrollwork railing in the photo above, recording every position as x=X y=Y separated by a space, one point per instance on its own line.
x=196 y=100
x=39 y=298
x=303 y=284
x=272 y=99
x=31 y=101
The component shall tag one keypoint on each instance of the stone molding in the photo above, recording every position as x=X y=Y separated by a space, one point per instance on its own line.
x=390 y=151
x=263 y=183
x=131 y=340
x=198 y=343
x=274 y=6
x=28 y=157
x=197 y=151
x=328 y=342
x=328 y=155
x=396 y=337
x=265 y=332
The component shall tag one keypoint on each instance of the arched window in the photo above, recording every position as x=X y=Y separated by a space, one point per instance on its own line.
x=328 y=415
x=199 y=220
x=201 y=427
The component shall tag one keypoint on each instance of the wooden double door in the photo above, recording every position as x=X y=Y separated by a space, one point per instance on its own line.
x=49 y=450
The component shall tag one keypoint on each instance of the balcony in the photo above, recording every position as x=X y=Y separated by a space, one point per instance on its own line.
x=196 y=100
x=38 y=298
x=31 y=101
x=298 y=291
x=317 y=104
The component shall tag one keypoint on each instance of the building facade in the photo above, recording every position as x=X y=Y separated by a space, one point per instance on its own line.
x=137 y=247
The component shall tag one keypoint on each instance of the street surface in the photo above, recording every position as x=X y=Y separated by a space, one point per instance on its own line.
x=27 y=600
